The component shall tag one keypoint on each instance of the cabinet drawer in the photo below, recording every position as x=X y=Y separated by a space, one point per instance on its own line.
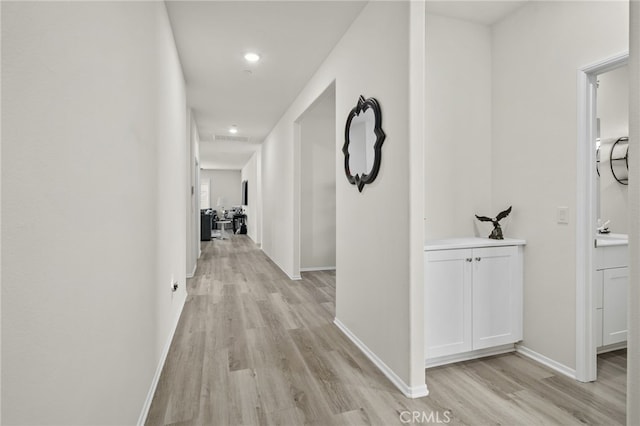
x=612 y=257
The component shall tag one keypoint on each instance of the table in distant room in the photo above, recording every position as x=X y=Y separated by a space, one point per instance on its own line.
x=220 y=224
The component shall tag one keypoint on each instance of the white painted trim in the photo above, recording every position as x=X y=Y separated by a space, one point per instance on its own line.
x=297 y=195
x=613 y=347
x=409 y=392
x=193 y=273
x=292 y=278
x=607 y=64
x=586 y=357
x=417 y=138
x=466 y=356
x=554 y=365
x=318 y=268
x=156 y=377
x=585 y=344
x=297 y=183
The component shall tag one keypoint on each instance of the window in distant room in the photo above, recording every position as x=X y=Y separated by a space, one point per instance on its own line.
x=245 y=193
x=205 y=202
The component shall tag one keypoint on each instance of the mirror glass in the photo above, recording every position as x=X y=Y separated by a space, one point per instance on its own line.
x=363 y=142
x=362 y=139
x=612 y=130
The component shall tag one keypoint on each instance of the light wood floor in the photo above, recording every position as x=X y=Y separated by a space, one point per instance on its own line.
x=253 y=347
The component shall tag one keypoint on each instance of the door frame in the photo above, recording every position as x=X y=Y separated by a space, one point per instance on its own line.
x=297 y=176
x=586 y=212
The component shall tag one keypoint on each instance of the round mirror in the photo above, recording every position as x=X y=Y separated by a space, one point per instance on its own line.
x=363 y=142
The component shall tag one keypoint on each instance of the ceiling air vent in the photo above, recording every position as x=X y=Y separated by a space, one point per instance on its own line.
x=228 y=138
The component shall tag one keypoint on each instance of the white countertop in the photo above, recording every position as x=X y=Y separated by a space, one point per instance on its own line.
x=473 y=242
x=607 y=240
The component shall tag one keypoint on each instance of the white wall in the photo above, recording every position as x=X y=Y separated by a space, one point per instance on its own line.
x=251 y=173
x=633 y=335
x=0 y=240
x=87 y=136
x=193 y=194
x=318 y=184
x=613 y=111
x=373 y=265
x=172 y=154
x=458 y=127
x=535 y=63
x=224 y=183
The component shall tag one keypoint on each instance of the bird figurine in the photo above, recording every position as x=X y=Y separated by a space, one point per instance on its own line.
x=496 y=234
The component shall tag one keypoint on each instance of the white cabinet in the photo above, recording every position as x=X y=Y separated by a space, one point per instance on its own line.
x=610 y=295
x=448 y=322
x=497 y=296
x=473 y=297
x=614 y=305
x=610 y=299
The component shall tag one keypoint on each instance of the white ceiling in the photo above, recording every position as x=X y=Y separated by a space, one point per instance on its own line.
x=292 y=37
x=478 y=11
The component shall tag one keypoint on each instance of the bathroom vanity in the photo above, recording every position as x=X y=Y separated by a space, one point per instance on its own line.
x=473 y=298
x=611 y=281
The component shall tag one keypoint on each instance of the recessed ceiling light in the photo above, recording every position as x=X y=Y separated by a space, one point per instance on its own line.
x=233 y=129
x=252 y=57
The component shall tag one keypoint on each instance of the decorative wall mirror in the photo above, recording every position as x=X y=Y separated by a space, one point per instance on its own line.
x=363 y=142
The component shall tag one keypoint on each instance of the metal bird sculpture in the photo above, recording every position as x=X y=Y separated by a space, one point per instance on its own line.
x=496 y=234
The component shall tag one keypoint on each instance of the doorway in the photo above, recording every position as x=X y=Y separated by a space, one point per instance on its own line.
x=315 y=190
x=601 y=234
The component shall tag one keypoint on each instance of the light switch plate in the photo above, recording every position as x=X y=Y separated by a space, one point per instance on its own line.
x=563 y=215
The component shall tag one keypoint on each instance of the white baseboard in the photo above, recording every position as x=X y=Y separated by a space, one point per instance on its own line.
x=408 y=391
x=614 y=347
x=318 y=268
x=163 y=357
x=554 y=365
x=193 y=273
x=291 y=277
x=466 y=356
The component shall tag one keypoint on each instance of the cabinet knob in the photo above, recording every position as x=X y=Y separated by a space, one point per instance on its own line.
x=478 y=259
x=468 y=259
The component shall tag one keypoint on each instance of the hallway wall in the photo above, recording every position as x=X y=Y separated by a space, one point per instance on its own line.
x=371 y=60
x=534 y=149
x=251 y=173
x=318 y=184
x=226 y=184
x=93 y=230
x=457 y=153
x=633 y=350
x=193 y=194
x=172 y=153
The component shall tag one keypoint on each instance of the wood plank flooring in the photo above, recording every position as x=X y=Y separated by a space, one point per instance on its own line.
x=254 y=348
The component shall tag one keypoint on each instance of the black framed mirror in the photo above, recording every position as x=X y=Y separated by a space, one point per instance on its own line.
x=363 y=138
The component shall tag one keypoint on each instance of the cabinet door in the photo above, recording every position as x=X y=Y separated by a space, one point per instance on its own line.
x=497 y=296
x=447 y=296
x=614 y=302
x=598 y=283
